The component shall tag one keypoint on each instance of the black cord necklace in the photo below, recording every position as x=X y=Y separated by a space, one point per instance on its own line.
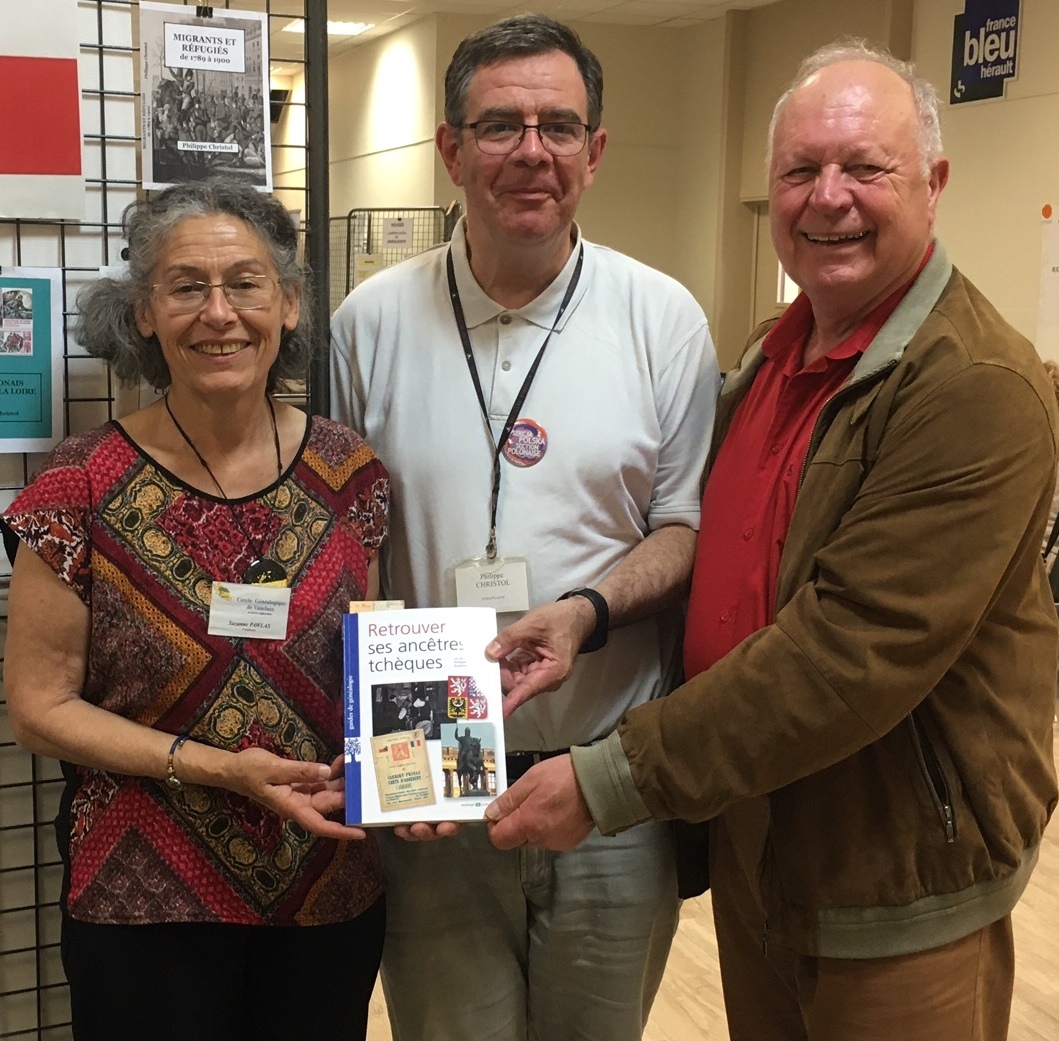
x=262 y=570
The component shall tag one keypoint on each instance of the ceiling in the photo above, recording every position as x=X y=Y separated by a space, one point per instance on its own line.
x=388 y=15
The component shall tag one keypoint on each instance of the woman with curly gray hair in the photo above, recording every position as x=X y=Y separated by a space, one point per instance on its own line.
x=108 y=323
x=174 y=639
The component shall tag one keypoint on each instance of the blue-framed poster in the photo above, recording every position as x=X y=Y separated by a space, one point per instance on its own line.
x=31 y=335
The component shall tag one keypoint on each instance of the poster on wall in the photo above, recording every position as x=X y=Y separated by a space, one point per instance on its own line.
x=41 y=174
x=205 y=95
x=1048 y=305
x=365 y=265
x=985 y=41
x=397 y=232
x=31 y=337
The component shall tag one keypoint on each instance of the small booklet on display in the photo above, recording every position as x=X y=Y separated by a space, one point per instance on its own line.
x=424 y=729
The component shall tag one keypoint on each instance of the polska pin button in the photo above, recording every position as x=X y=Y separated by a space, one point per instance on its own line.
x=526 y=444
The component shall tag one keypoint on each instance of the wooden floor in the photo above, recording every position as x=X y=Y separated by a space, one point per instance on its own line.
x=689 y=1005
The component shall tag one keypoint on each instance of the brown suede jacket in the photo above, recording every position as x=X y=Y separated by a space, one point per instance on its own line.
x=897 y=715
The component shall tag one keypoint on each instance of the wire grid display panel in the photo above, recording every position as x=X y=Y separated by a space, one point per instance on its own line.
x=34 y=1002
x=391 y=235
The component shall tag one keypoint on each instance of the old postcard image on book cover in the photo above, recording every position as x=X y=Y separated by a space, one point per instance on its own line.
x=424 y=730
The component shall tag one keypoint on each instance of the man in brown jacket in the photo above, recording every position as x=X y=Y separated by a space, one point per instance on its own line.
x=871 y=642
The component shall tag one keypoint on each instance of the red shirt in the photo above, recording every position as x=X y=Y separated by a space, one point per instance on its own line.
x=750 y=495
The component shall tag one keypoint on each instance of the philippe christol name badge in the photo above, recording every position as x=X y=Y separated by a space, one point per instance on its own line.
x=501 y=583
x=253 y=612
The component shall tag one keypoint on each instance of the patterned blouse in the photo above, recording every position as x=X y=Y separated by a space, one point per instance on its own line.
x=141 y=549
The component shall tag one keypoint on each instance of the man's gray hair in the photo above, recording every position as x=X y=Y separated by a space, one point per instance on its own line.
x=852 y=49
x=520 y=37
x=106 y=322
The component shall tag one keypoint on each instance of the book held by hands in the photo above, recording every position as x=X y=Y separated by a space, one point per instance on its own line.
x=424 y=729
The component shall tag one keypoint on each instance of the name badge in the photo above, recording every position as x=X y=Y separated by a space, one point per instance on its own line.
x=502 y=584
x=251 y=611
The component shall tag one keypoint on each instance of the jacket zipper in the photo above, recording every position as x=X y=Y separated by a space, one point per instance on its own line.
x=936 y=781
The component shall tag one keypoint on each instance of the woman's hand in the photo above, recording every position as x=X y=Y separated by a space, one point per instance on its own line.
x=330 y=796
x=306 y=793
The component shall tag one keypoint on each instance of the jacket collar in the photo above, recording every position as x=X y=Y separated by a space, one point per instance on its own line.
x=909 y=315
x=890 y=341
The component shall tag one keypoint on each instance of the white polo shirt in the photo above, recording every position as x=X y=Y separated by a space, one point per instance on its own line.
x=625 y=395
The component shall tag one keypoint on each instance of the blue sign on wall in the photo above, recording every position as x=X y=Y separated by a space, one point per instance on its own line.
x=984 y=49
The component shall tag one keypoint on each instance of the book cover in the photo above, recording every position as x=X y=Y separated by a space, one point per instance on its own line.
x=424 y=727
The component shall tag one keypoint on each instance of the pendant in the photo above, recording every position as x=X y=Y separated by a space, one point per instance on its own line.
x=263 y=571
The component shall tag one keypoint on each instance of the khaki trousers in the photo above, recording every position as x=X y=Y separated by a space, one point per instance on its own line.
x=958 y=992
x=527 y=945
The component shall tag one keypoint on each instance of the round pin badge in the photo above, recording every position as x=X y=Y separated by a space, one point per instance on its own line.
x=527 y=443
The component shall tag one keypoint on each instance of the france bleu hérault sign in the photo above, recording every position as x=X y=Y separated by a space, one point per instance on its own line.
x=985 y=42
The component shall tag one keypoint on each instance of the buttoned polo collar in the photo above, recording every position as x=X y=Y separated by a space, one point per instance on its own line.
x=478 y=308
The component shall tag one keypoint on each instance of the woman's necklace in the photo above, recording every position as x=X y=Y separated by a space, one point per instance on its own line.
x=262 y=570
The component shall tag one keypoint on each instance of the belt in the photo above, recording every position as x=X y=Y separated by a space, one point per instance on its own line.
x=519 y=762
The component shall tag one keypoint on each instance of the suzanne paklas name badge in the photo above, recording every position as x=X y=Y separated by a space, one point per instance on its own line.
x=251 y=611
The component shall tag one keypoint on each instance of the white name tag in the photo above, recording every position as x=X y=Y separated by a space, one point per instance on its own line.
x=253 y=612
x=502 y=584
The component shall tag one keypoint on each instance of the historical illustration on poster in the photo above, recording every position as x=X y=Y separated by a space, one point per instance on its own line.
x=205 y=95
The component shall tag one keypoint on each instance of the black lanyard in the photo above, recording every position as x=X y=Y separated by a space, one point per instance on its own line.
x=498 y=446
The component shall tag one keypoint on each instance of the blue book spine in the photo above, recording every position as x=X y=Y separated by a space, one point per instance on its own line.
x=351 y=714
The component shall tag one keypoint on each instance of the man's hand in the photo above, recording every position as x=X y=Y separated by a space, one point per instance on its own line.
x=543 y=808
x=537 y=653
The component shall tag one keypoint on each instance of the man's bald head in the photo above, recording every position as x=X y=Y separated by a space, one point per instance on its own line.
x=924 y=96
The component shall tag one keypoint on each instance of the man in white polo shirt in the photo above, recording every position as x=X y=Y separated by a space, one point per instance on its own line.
x=544 y=406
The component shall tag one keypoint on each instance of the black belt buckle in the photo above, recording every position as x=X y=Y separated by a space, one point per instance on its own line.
x=519 y=762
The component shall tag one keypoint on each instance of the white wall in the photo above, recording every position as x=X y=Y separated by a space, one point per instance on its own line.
x=1005 y=159
x=633 y=203
x=381 y=99
x=702 y=129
